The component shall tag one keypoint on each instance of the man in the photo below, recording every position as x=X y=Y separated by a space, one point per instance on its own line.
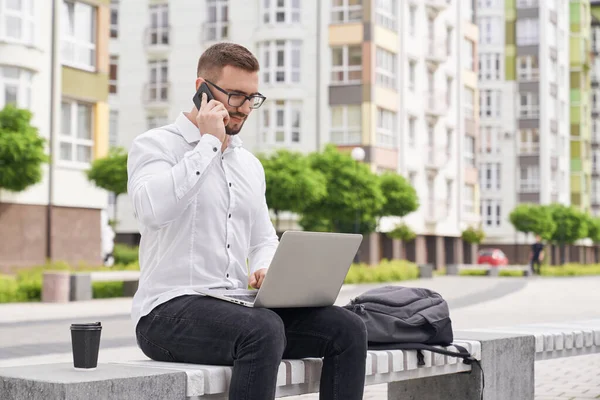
x=536 y=255
x=200 y=199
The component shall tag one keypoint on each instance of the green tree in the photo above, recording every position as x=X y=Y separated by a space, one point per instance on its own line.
x=533 y=218
x=402 y=232
x=110 y=173
x=21 y=150
x=354 y=199
x=400 y=198
x=593 y=224
x=291 y=183
x=571 y=225
x=473 y=235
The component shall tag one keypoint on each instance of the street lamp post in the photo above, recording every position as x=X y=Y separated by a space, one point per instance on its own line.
x=358 y=155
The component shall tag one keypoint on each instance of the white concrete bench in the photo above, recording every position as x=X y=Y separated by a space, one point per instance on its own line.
x=302 y=376
x=491 y=270
x=62 y=286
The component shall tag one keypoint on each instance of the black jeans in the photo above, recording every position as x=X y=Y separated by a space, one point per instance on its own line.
x=204 y=330
x=538 y=263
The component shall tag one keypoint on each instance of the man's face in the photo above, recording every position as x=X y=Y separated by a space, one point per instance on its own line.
x=235 y=80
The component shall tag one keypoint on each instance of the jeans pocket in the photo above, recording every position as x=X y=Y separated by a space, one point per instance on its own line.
x=154 y=351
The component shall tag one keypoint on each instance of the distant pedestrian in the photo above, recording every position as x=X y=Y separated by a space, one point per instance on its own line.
x=537 y=255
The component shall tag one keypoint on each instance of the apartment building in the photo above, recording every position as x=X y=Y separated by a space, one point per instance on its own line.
x=595 y=106
x=397 y=78
x=525 y=118
x=580 y=115
x=55 y=63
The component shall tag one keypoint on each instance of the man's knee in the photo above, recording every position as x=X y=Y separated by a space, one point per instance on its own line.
x=351 y=330
x=266 y=330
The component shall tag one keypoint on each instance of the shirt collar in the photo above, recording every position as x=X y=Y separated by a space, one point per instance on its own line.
x=191 y=134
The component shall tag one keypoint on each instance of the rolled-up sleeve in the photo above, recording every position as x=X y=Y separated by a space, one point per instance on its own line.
x=263 y=238
x=161 y=187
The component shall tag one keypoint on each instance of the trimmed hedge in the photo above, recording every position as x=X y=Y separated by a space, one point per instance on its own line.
x=124 y=254
x=386 y=271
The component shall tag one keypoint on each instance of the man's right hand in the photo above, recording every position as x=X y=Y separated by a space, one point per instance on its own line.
x=212 y=118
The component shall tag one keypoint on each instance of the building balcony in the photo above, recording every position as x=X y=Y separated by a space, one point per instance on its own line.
x=436 y=104
x=437 y=53
x=157 y=95
x=532 y=112
x=157 y=39
x=436 y=6
x=436 y=211
x=436 y=159
x=471 y=128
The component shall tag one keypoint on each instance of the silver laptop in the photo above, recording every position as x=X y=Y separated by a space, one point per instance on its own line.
x=308 y=270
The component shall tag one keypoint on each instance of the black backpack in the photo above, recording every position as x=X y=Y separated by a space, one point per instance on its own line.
x=406 y=318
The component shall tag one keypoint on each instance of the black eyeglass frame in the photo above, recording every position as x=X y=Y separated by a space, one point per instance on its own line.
x=247 y=98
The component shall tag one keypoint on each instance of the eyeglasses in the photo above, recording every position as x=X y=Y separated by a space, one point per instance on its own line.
x=238 y=99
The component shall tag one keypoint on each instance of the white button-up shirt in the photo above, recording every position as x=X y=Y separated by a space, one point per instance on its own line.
x=203 y=215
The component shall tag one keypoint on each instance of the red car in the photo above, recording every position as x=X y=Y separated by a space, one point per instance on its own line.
x=492 y=257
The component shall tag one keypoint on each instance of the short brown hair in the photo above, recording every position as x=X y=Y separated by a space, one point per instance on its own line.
x=219 y=55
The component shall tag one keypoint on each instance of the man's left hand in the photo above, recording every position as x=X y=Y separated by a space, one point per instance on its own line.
x=257 y=278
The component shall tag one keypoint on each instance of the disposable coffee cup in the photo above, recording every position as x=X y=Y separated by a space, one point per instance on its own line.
x=85 y=339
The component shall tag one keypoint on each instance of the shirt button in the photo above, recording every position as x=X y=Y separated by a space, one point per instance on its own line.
x=229 y=215
x=215 y=149
x=197 y=172
x=228 y=246
x=229 y=184
x=227 y=275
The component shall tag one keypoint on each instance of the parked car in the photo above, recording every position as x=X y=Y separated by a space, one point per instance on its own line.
x=492 y=257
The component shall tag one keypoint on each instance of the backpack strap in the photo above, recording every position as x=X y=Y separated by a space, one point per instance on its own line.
x=461 y=353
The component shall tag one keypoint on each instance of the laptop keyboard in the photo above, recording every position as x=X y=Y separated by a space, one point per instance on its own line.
x=243 y=297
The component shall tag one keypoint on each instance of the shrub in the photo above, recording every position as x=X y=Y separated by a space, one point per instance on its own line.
x=124 y=254
x=9 y=289
x=386 y=271
x=571 y=270
x=105 y=290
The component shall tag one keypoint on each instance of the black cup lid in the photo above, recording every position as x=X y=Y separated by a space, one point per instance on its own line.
x=90 y=326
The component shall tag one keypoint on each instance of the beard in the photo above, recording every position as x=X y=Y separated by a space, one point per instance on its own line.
x=233 y=130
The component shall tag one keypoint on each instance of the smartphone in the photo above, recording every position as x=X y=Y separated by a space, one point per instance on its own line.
x=198 y=96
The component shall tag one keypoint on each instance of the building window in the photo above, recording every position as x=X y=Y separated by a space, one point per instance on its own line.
x=469 y=199
x=79 y=35
x=346 y=64
x=491 y=212
x=529 y=179
x=490 y=102
x=385 y=68
x=449 y=142
x=490 y=30
x=527 y=3
x=529 y=106
x=346 y=124
x=469 y=57
x=449 y=41
x=159 y=25
x=386 y=127
x=412 y=134
x=158 y=88
x=113 y=128
x=412 y=20
x=490 y=140
x=469 y=103
x=529 y=141
x=449 y=192
x=114 y=18
x=15 y=87
x=489 y=66
x=281 y=11
x=469 y=155
x=76 y=138
x=281 y=61
x=448 y=91
x=157 y=121
x=412 y=77
x=527 y=31
x=528 y=68
x=217 y=22
x=112 y=76
x=490 y=176
x=385 y=13
x=343 y=11
x=281 y=122
x=17 y=21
